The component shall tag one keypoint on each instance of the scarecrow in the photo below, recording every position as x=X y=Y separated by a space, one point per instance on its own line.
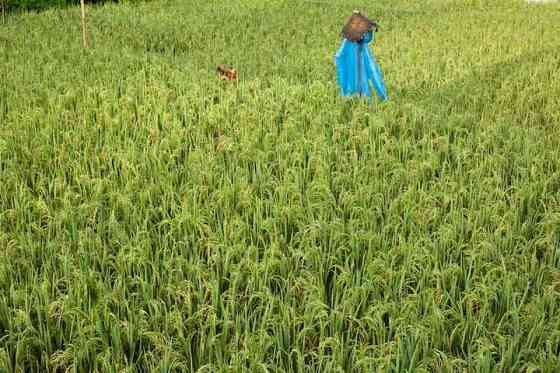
x=356 y=66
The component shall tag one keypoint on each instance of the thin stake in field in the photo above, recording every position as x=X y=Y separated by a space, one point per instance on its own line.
x=84 y=36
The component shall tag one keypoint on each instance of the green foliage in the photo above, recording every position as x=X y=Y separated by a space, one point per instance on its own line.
x=154 y=218
x=46 y=4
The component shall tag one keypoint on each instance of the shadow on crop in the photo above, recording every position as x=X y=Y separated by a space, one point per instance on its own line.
x=496 y=89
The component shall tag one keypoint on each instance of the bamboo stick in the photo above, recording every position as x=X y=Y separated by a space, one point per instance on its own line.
x=84 y=36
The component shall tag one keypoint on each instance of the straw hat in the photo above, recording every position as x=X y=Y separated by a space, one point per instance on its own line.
x=357 y=26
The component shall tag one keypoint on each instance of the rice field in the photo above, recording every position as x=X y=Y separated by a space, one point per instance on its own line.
x=155 y=218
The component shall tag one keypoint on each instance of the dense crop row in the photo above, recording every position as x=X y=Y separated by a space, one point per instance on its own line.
x=34 y=5
x=153 y=217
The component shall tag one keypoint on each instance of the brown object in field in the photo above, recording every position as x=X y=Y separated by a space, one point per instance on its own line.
x=356 y=26
x=226 y=72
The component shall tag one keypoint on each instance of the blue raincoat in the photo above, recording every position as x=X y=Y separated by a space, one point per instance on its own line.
x=356 y=67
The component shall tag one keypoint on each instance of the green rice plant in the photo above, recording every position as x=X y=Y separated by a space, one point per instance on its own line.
x=154 y=218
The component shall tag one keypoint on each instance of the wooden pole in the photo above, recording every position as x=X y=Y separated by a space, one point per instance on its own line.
x=84 y=36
